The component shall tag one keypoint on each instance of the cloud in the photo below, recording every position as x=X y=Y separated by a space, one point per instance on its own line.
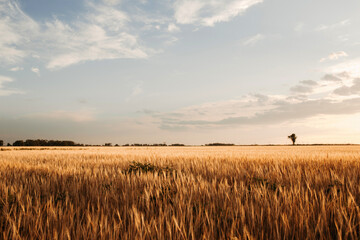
x=170 y=41
x=16 y=69
x=93 y=44
x=137 y=90
x=334 y=56
x=284 y=112
x=309 y=82
x=4 y=79
x=82 y=101
x=354 y=89
x=301 y=89
x=253 y=40
x=331 y=77
x=246 y=106
x=291 y=111
x=4 y=91
x=102 y=32
x=324 y=27
x=299 y=27
x=82 y=115
x=207 y=13
x=305 y=100
x=304 y=87
x=107 y=17
x=147 y=112
x=100 y=35
x=112 y=2
x=35 y=70
x=16 y=29
x=350 y=67
x=343 y=38
x=173 y=28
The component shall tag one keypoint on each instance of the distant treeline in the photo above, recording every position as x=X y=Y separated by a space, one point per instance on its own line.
x=42 y=142
x=219 y=144
x=67 y=143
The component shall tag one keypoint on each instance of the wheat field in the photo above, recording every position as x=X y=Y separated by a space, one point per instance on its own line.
x=272 y=192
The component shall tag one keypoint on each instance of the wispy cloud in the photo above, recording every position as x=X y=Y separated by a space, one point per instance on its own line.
x=16 y=69
x=351 y=67
x=171 y=41
x=104 y=30
x=299 y=27
x=100 y=33
x=354 y=89
x=334 y=56
x=81 y=115
x=6 y=91
x=331 y=78
x=137 y=90
x=207 y=13
x=309 y=82
x=301 y=89
x=112 y=2
x=253 y=40
x=307 y=99
x=344 y=38
x=16 y=28
x=325 y=27
x=287 y=110
x=35 y=70
x=173 y=28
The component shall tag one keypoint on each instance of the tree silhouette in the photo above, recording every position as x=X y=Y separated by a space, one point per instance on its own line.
x=293 y=138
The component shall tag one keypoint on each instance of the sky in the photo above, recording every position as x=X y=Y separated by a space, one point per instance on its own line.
x=180 y=71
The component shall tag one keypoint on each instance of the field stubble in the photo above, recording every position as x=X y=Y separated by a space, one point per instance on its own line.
x=180 y=193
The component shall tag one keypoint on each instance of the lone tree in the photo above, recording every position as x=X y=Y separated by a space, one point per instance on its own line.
x=293 y=138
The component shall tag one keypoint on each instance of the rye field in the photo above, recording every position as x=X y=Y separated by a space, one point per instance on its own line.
x=257 y=192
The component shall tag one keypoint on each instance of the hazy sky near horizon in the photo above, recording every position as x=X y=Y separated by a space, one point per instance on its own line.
x=187 y=71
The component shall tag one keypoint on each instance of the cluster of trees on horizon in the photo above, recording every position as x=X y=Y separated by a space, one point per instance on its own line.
x=42 y=142
x=220 y=144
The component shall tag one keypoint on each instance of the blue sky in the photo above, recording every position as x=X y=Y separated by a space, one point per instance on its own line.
x=121 y=71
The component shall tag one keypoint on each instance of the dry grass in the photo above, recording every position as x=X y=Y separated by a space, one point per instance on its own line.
x=180 y=193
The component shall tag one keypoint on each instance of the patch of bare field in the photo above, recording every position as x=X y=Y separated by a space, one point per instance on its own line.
x=274 y=192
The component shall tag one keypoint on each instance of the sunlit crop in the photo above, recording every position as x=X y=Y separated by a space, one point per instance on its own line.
x=300 y=192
